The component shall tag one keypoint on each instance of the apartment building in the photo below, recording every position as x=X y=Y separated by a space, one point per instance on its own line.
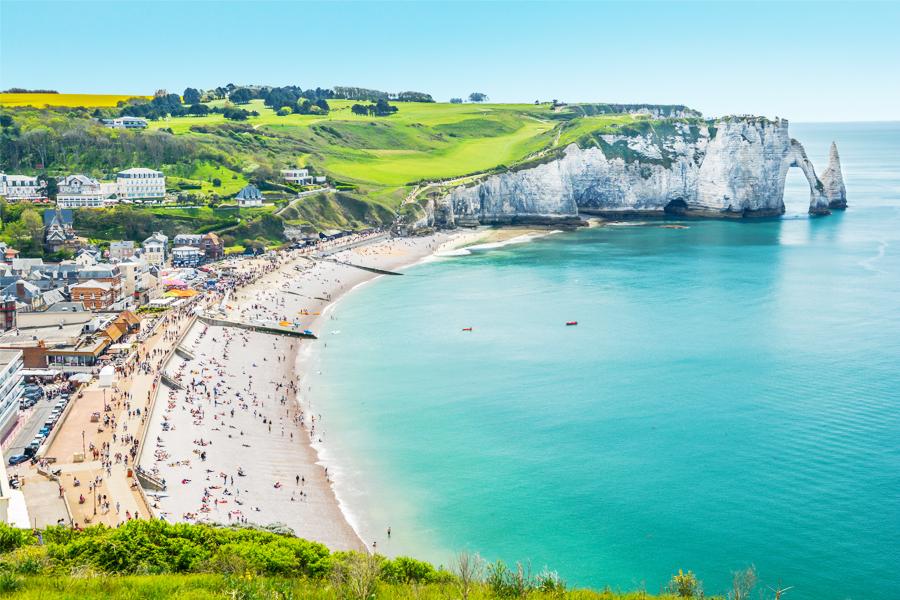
x=95 y=295
x=154 y=249
x=119 y=251
x=103 y=273
x=136 y=184
x=10 y=389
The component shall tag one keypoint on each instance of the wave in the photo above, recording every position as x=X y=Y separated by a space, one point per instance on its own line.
x=521 y=239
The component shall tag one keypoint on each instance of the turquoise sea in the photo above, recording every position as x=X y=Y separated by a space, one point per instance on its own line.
x=730 y=396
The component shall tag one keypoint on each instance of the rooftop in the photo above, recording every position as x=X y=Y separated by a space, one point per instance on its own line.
x=93 y=284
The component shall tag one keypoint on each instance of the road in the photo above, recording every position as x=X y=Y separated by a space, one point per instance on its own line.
x=42 y=410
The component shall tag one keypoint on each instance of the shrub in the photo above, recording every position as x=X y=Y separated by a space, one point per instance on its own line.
x=684 y=585
x=217 y=182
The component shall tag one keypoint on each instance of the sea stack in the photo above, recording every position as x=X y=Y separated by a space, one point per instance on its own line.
x=833 y=181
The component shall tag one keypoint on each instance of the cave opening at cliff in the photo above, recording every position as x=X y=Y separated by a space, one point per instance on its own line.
x=796 y=192
x=676 y=207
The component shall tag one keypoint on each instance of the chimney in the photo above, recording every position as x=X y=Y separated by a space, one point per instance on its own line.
x=20 y=290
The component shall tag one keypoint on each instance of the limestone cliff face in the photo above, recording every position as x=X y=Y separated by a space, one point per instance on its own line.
x=736 y=168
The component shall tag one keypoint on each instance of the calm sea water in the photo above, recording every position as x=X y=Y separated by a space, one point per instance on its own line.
x=731 y=396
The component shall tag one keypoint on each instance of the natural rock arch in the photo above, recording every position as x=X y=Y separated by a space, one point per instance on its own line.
x=796 y=157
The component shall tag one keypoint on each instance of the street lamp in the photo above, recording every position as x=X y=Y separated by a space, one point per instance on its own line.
x=83 y=450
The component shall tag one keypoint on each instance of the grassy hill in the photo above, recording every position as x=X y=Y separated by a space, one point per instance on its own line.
x=374 y=160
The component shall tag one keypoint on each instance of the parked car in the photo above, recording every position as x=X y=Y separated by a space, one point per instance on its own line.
x=18 y=459
x=30 y=450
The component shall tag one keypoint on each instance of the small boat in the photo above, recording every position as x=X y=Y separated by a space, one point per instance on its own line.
x=467 y=329
x=571 y=322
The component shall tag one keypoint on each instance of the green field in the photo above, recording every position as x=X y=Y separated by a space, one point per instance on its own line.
x=374 y=162
x=421 y=141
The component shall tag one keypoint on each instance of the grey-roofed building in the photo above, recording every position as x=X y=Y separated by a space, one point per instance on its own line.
x=249 y=196
x=119 y=251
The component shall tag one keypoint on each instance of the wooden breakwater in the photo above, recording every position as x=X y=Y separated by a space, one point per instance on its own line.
x=252 y=327
x=369 y=269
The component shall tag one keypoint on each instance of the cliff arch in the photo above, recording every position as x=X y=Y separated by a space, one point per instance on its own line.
x=796 y=157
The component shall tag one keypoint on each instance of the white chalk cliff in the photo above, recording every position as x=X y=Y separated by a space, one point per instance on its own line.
x=734 y=168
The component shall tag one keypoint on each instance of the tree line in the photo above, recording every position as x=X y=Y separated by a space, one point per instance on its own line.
x=379 y=109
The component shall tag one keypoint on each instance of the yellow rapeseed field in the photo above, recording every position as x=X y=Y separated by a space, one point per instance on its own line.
x=86 y=100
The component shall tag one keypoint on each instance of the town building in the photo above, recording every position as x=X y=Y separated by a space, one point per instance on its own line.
x=7 y=254
x=125 y=123
x=154 y=249
x=95 y=295
x=119 y=251
x=185 y=256
x=58 y=230
x=60 y=313
x=18 y=188
x=298 y=176
x=79 y=191
x=213 y=247
x=138 y=283
x=249 y=196
x=10 y=392
x=85 y=258
x=187 y=239
x=103 y=273
x=139 y=183
x=8 y=313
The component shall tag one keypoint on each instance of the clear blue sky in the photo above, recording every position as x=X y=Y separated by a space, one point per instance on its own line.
x=804 y=61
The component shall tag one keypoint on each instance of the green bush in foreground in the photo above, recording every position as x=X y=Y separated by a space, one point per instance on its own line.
x=157 y=560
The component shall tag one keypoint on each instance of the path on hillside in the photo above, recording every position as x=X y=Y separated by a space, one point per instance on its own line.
x=411 y=197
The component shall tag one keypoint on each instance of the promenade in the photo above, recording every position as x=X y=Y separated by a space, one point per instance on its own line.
x=111 y=443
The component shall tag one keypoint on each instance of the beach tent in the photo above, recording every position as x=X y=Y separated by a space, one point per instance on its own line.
x=81 y=378
x=106 y=376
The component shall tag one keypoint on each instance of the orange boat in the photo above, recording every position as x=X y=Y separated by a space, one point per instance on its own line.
x=572 y=323
x=467 y=329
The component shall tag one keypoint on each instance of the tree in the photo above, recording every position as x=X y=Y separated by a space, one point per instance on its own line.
x=359 y=109
x=323 y=104
x=33 y=223
x=48 y=186
x=241 y=96
x=191 y=96
x=201 y=110
x=217 y=182
x=228 y=240
x=283 y=112
x=456 y=100
x=304 y=107
x=6 y=121
x=235 y=114
x=478 y=97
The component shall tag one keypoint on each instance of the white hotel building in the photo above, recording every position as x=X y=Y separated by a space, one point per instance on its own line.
x=16 y=188
x=137 y=184
x=79 y=191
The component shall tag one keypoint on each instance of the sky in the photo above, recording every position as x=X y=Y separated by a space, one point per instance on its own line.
x=805 y=61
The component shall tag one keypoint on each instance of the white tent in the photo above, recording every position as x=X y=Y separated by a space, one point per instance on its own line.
x=81 y=377
x=106 y=376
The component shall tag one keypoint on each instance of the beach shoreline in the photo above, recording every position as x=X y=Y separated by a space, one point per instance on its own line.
x=303 y=291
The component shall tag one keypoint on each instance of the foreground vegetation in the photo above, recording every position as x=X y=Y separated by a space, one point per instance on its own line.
x=153 y=559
